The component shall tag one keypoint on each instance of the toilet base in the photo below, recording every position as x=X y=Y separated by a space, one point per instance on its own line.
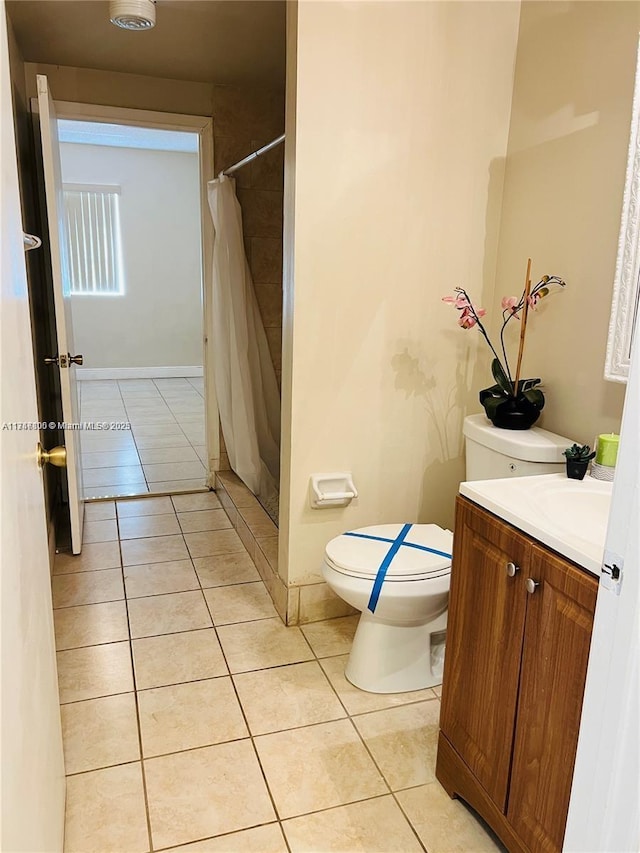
x=392 y=658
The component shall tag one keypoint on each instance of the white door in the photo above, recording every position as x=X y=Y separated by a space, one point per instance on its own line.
x=604 y=810
x=62 y=301
x=32 y=765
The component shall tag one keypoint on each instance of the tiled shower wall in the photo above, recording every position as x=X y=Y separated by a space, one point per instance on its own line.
x=239 y=129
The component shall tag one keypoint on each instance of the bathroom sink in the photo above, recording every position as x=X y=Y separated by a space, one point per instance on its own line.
x=569 y=516
x=585 y=511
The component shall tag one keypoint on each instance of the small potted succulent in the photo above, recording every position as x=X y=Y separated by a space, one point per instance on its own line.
x=578 y=459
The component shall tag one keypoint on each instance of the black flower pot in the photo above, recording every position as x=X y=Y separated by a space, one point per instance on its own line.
x=577 y=468
x=510 y=412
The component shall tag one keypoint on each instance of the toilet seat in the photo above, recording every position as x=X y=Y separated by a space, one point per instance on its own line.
x=359 y=553
x=370 y=576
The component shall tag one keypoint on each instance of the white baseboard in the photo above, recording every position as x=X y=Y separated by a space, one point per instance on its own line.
x=93 y=373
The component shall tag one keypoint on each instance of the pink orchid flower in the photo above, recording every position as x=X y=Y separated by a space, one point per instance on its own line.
x=467 y=320
x=459 y=301
x=510 y=303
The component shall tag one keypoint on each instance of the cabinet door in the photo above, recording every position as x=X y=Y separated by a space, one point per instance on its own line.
x=554 y=668
x=484 y=645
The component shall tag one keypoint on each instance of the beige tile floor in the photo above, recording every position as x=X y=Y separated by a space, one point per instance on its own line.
x=165 y=449
x=193 y=720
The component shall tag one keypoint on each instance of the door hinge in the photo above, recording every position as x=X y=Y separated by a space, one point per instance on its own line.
x=611 y=572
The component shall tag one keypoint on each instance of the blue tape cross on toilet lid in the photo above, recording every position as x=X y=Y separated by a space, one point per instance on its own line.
x=396 y=544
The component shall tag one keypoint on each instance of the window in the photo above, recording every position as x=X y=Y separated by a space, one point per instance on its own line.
x=93 y=239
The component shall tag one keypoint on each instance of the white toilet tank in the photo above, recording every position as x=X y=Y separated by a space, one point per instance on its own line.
x=493 y=453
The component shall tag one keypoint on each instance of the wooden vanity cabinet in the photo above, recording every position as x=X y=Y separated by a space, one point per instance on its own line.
x=518 y=637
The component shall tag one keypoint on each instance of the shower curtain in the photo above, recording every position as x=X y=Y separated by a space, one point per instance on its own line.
x=246 y=386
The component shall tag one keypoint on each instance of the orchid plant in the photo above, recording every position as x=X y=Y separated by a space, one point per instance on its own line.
x=508 y=386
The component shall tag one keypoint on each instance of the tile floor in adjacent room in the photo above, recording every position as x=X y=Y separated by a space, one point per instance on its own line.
x=194 y=720
x=164 y=451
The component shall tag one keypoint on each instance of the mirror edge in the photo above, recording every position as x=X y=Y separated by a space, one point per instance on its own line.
x=626 y=289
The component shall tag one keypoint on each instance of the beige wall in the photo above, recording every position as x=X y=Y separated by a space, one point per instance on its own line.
x=399 y=141
x=563 y=197
x=157 y=322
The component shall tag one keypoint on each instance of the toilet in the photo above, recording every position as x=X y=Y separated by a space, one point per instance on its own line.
x=398 y=575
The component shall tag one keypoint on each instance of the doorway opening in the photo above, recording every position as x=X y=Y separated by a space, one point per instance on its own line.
x=132 y=210
x=135 y=225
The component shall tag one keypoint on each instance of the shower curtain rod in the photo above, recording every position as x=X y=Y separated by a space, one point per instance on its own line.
x=253 y=156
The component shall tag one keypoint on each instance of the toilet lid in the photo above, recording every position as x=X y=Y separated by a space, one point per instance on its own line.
x=425 y=551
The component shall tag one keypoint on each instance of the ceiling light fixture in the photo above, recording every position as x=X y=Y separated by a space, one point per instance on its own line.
x=133 y=14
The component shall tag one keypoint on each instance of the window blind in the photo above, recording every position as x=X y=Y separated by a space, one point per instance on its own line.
x=93 y=239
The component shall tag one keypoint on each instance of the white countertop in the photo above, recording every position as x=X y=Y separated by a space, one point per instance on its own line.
x=570 y=516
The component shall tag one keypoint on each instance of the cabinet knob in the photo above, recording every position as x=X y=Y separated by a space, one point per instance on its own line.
x=532 y=585
x=512 y=569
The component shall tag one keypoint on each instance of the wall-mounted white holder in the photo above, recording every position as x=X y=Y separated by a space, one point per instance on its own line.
x=327 y=490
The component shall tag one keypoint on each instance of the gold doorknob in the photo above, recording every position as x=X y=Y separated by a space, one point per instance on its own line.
x=56 y=456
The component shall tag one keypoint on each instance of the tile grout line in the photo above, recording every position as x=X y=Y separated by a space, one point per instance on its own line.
x=387 y=783
x=135 y=695
x=406 y=816
x=101 y=695
x=180 y=425
x=144 y=473
x=124 y=406
x=135 y=444
x=222 y=835
x=128 y=491
x=246 y=721
x=341 y=806
x=347 y=716
x=360 y=737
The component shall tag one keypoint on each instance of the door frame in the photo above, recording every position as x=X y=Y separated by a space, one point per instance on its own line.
x=203 y=126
